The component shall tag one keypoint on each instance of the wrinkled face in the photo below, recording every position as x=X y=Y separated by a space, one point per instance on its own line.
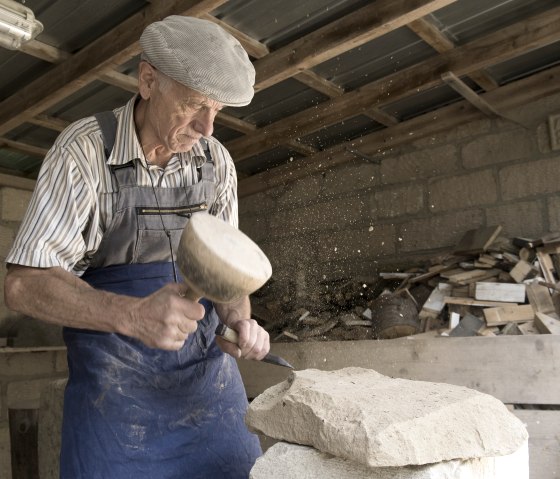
x=177 y=115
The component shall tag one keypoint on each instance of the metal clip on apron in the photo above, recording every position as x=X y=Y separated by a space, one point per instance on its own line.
x=135 y=412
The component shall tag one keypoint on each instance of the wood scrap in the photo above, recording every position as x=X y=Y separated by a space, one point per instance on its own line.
x=546 y=266
x=474 y=302
x=547 y=323
x=539 y=298
x=507 y=292
x=470 y=325
x=467 y=277
x=508 y=314
x=520 y=271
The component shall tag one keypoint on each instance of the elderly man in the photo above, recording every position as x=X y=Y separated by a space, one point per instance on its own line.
x=151 y=393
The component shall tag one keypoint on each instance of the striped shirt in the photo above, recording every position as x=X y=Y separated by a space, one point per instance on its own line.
x=72 y=204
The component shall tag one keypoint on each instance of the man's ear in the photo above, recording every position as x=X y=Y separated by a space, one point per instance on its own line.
x=146 y=79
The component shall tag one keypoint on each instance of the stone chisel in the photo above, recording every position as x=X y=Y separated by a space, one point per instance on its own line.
x=230 y=335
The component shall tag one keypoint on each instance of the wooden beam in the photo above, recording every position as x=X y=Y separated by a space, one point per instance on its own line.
x=50 y=122
x=100 y=56
x=471 y=96
x=441 y=43
x=512 y=95
x=13 y=181
x=515 y=369
x=494 y=48
x=23 y=147
x=317 y=82
x=348 y=32
x=381 y=117
x=120 y=80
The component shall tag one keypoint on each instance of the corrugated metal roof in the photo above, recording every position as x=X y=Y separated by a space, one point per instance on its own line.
x=70 y=26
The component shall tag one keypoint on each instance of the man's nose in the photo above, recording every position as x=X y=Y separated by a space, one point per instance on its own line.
x=204 y=123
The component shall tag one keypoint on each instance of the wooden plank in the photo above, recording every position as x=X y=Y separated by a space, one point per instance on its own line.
x=520 y=271
x=474 y=302
x=546 y=266
x=544 y=441
x=539 y=297
x=508 y=314
x=467 y=277
x=515 y=369
x=547 y=323
x=507 y=292
x=23 y=443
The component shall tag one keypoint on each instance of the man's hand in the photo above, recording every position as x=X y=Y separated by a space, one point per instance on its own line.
x=164 y=319
x=253 y=342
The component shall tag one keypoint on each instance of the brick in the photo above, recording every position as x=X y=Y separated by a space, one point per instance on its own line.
x=61 y=362
x=553 y=208
x=463 y=191
x=437 y=231
x=397 y=201
x=530 y=178
x=518 y=219
x=14 y=203
x=358 y=244
x=327 y=215
x=418 y=165
x=498 y=148
x=287 y=252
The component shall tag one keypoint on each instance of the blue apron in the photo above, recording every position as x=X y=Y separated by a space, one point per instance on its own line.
x=131 y=411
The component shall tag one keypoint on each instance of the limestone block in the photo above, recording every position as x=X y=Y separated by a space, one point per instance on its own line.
x=361 y=415
x=292 y=461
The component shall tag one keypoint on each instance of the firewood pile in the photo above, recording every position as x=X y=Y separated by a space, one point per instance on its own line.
x=488 y=285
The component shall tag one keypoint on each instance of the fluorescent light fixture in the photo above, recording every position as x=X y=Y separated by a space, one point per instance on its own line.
x=17 y=24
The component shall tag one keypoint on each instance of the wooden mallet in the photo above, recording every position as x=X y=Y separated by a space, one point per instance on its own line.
x=222 y=264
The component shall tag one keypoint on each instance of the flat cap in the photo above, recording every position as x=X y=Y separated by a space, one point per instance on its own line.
x=201 y=55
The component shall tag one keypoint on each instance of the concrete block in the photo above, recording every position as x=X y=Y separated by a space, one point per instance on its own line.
x=464 y=191
x=524 y=218
x=304 y=190
x=354 y=176
x=366 y=242
x=256 y=203
x=437 y=231
x=553 y=208
x=25 y=394
x=371 y=419
x=427 y=163
x=498 y=148
x=254 y=226
x=14 y=203
x=530 y=178
x=289 y=461
x=461 y=132
x=326 y=215
x=397 y=201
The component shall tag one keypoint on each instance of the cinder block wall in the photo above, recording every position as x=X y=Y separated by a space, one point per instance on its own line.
x=360 y=218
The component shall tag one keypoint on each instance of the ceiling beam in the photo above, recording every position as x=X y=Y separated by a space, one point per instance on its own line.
x=434 y=37
x=346 y=33
x=23 y=147
x=112 y=49
x=507 y=43
x=513 y=95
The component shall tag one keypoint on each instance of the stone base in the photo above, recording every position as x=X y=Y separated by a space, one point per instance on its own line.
x=292 y=461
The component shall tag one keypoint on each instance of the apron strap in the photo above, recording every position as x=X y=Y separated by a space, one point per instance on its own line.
x=108 y=123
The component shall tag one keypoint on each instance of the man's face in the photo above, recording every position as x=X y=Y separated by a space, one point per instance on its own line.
x=178 y=115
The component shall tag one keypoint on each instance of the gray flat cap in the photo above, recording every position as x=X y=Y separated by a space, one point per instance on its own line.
x=201 y=55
